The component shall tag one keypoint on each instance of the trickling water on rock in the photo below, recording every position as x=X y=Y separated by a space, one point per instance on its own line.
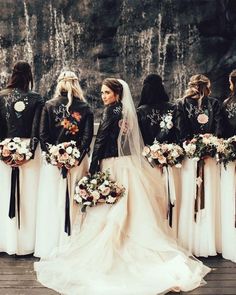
x=121 y=38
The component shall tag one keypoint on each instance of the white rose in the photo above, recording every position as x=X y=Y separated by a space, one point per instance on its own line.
x=69 y=150
x=168 y=118
x=78 y=198
x=17 y=139
x=95 y=195
x=94 y=181
x=19 y=106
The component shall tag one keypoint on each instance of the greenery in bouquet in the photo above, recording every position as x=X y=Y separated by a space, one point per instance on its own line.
x=65 y=154
x=164 y=154
x=201 y=146
x=14 y=151
x=226 y=150
x=96 y=189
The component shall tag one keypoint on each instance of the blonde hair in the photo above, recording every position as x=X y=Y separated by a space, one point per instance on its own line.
x=69 y=82
x=198 y=87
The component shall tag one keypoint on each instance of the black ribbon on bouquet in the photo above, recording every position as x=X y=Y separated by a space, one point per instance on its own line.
x=67 y=227
x=200 y=190
x=170 y=205
x=15 y=194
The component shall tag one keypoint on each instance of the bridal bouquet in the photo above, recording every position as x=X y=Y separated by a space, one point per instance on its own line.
x=201 y=146
x=98 y=188
x=14 y=150
x=164 y=154
x=226 y=150
x=65 y=154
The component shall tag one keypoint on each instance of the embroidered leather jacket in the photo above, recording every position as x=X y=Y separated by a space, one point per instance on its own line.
x=193 y=120
x=106 y=140
x=20 y=115
x=58 y=125
x=229 y=114
x=157 y=122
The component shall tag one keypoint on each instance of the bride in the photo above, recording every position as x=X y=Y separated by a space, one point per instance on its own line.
x=121 y=249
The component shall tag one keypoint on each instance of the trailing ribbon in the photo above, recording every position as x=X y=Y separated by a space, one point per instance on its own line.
x=171 y=202
x=200 y=190
x=15 y=194
x=67 y=228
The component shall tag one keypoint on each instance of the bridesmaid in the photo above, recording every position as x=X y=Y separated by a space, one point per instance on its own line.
x=67 y=116
x=199 y=113
x=228 y=178
x=20 y=110
x=153 y=110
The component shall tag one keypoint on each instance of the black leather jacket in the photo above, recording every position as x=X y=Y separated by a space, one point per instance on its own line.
x=20 y=115
x=191 y=120
x=229 y=115
x=154 y=124
x=57 y=125
x=106 y=140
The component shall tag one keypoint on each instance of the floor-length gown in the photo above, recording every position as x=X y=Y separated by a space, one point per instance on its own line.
x=121 y=249
x=201 y=236
x=50 y=220
x=228 y=210
x=15 y=240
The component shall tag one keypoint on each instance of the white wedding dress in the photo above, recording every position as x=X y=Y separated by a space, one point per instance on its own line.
x=120 y=249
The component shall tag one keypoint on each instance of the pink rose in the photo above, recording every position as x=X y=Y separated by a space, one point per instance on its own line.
x=202 y=118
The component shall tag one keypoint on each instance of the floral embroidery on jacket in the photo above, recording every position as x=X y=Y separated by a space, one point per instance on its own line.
x=231 y=110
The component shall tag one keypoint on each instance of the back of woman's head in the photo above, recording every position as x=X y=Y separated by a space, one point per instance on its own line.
x=21 y=77
x=153 y=92
x=68 y=82
x=114 y=85
x=232 y=81
x=198 y=87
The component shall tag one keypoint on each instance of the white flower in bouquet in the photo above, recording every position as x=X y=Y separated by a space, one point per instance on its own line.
x=76 y=152
x=69 y=150
x=94 y=181
x=196 y=159
x=5 y=141
x=174 y=154
x=77 y=198
x=106 y=182
x=162 y=160
x=106 y=191
x=168 y=118
x=82 y=193
x=146 y=151
x=11 y=146
x=77 y=189
x=95 y=195
x=17 y=139
x=54 y=150
x=82 y=180
x=23 y=150
x=111 y=200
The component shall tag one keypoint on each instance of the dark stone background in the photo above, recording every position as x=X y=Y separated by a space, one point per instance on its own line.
x=122 y=38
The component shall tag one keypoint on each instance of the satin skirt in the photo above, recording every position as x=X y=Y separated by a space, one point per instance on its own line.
x=50 y=222
x=121 y=249
x=228 y=211
x=14 y=240
x=201 y=235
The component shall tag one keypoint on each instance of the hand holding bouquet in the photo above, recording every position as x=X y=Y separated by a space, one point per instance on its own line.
x=15 y=151
x=98 y=188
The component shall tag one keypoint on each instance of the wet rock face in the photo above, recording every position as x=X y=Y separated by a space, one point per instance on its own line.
x=122 y=38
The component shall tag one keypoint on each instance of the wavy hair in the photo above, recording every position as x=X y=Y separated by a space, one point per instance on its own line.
x=68 y=82
x=198 y=87
x=114 y=85
x=232 y=81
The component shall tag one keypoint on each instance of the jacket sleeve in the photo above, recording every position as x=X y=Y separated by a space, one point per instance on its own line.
x=87 y=136
x=102 y=135
x=141 y=124
x=218 y=118
x=181 y=123
x=35 y=126
x=44 y=135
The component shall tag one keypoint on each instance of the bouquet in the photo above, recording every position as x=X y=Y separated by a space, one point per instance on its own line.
x=64 y=154
x=226 y=150
x=98 y=188
x=14 y=150
x=201 y=146
x=164 y=154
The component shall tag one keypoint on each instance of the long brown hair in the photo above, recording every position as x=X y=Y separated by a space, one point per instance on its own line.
x=232 y=81
x=198 y=87
x=21 y=77
x=114 y=85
